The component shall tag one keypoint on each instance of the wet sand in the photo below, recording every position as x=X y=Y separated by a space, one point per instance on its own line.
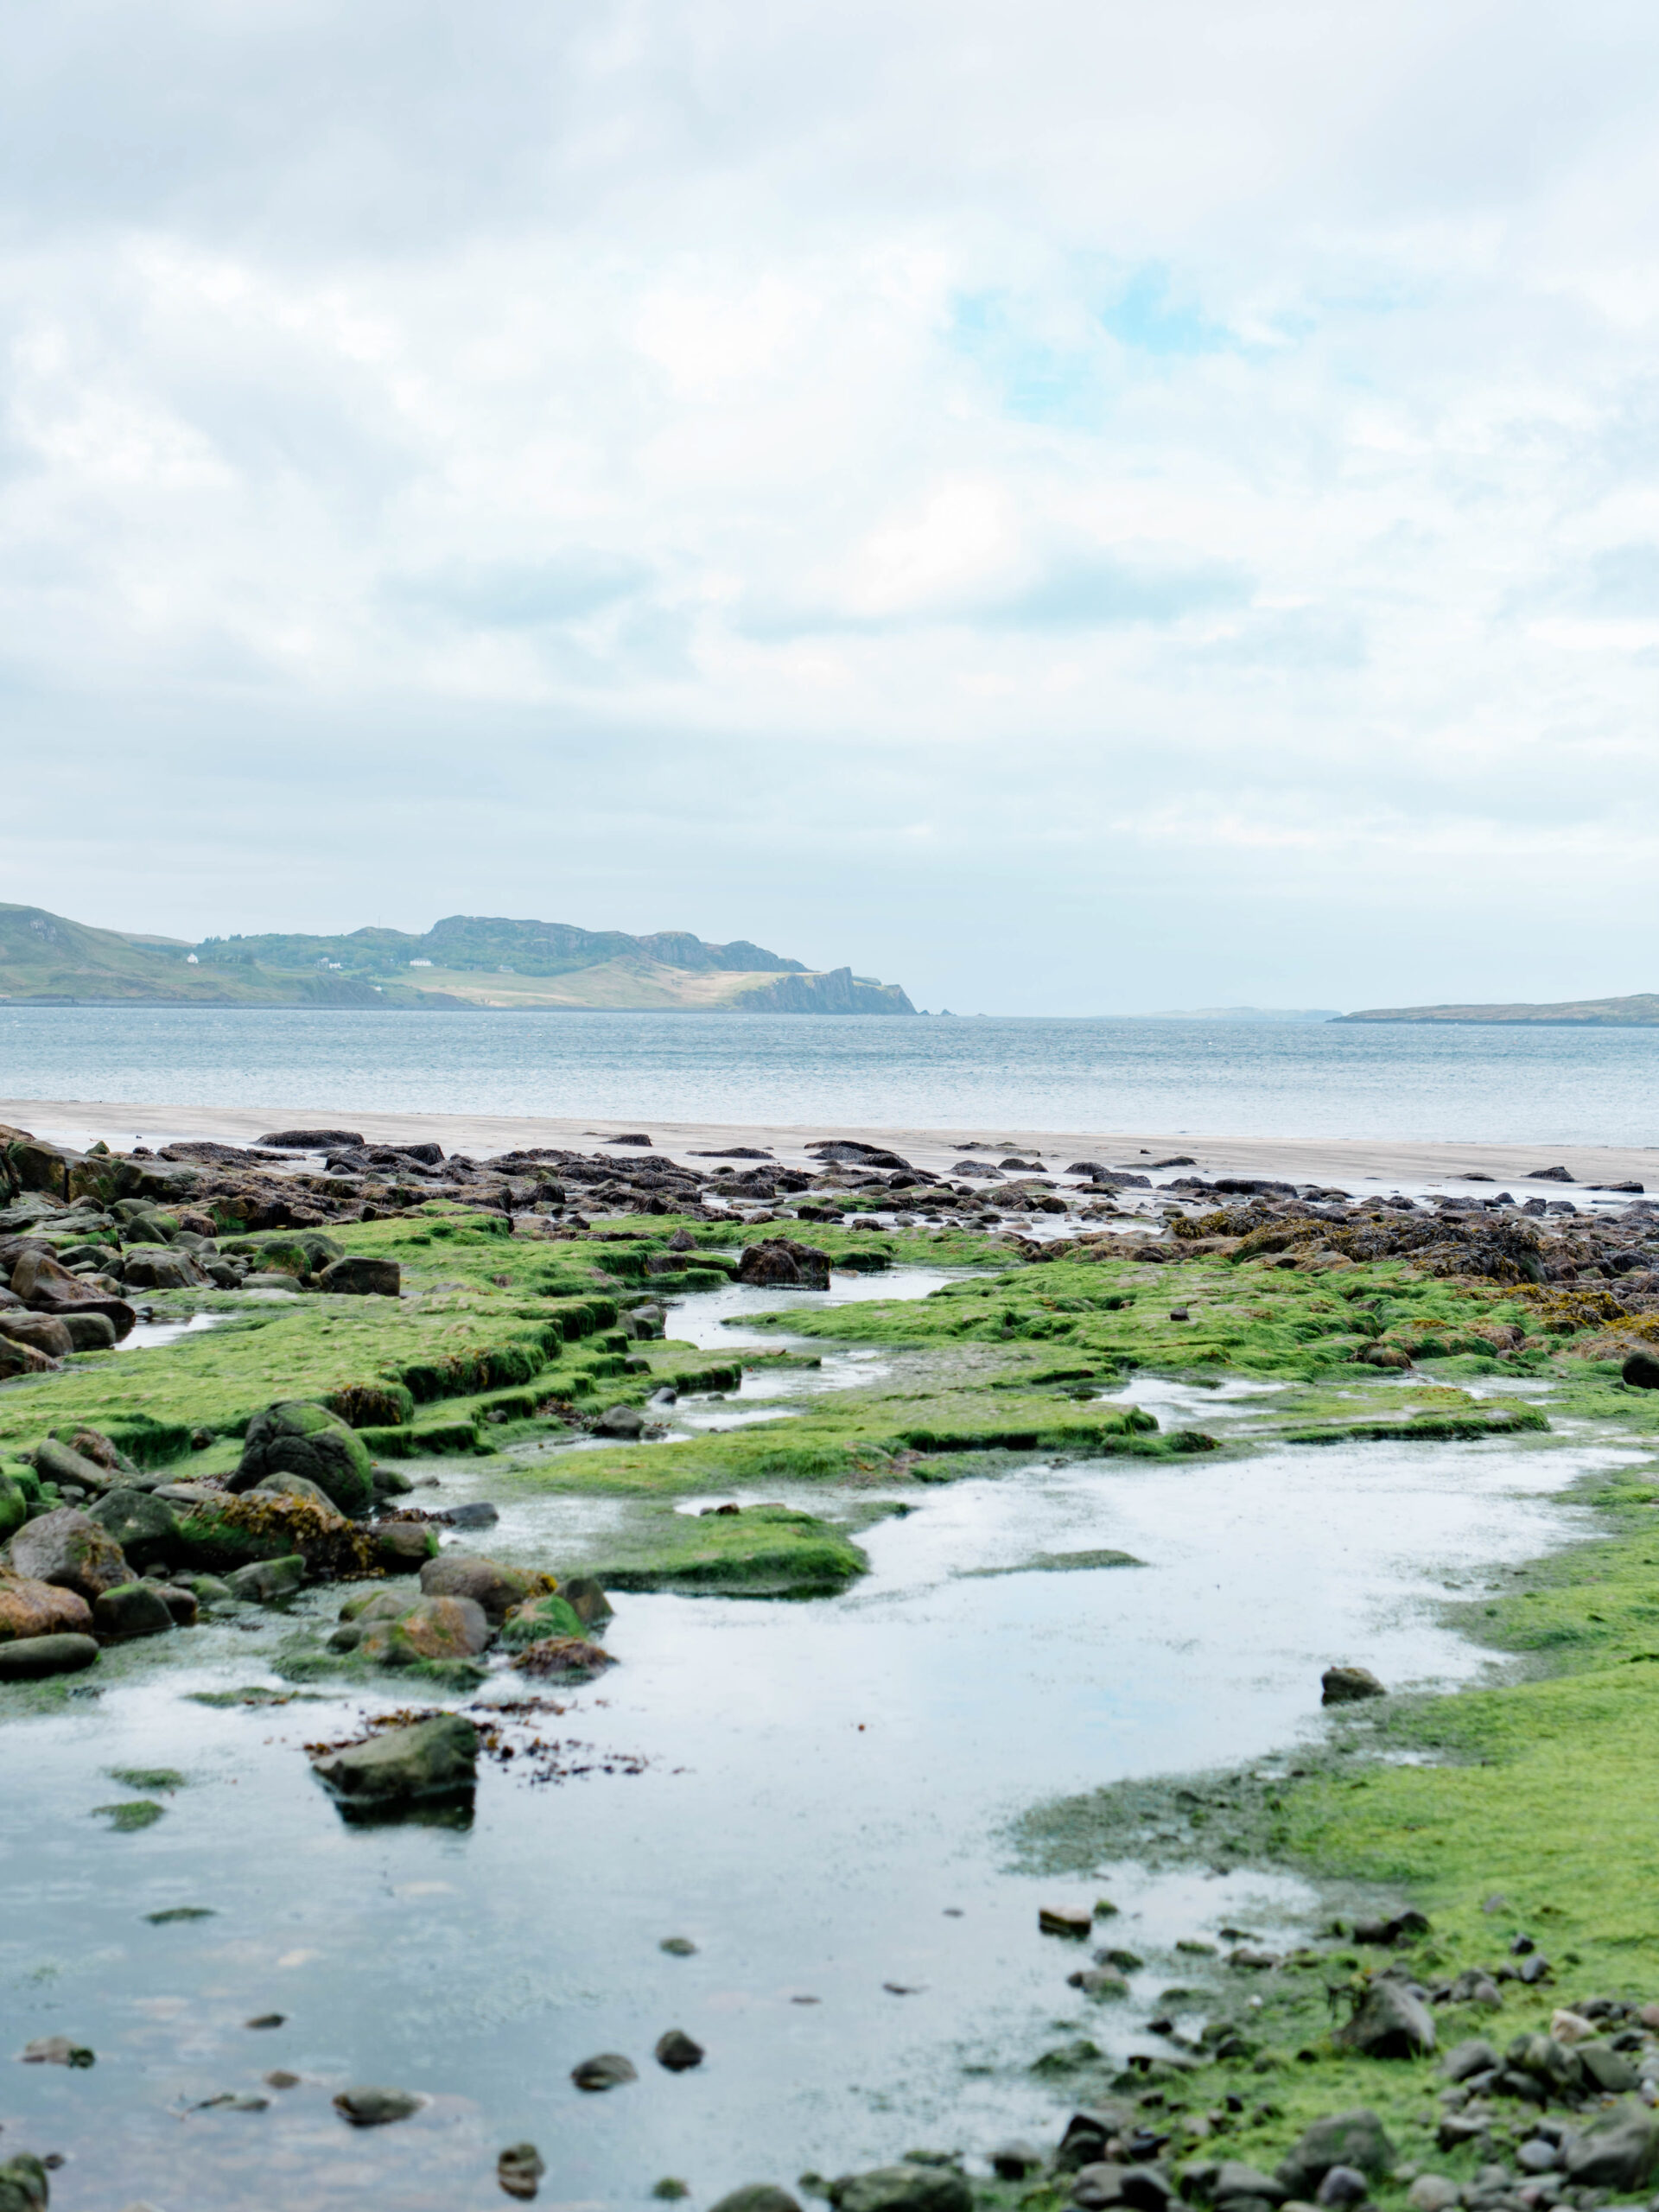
x=1354 y=1163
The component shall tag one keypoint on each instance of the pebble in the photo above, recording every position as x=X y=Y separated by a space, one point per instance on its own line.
x=367 y=2106
x=607 y=2071
x=678 y=2052
x=519 y=2170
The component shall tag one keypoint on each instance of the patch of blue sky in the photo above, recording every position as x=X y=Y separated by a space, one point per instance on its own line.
x=1037 y=380
x=1148 y=317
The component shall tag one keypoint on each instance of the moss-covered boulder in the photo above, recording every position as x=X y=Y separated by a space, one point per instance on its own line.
x=488 y=1582
x=295 y=1437
x=432 y=1758
x=539 y=1617
x=14 y=1507
x=71 y=1550
x=424 y=1629
x=145 y=1526
x=219 y=1534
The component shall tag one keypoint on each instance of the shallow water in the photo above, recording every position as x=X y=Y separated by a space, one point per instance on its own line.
x=1239 y=1078
x=825 y=1783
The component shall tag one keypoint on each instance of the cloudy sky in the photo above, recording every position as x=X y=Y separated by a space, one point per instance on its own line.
x=1075 y=507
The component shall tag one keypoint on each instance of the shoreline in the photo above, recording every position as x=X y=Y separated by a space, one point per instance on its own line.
x=1403 y=1165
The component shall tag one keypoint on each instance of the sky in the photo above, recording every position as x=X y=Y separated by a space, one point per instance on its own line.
x=1079 y=508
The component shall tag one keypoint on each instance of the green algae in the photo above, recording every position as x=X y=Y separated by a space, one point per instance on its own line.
x=759 y=1551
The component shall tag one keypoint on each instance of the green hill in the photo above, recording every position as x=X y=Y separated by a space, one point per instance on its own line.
x=1639 y=1011
x=467 y=960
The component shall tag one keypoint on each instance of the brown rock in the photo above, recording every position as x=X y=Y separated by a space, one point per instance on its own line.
x=40 y=1330
x=71 y=1550
x=430 y=1628
x=29 y=1608
x=497 y=1588
x=17 y=1358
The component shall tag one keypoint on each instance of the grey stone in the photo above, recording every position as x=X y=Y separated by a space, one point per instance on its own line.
x=60 y=1463
x=1355 y=2138
x=903 y=2187
x=40 y=1332
x=1233 y=2178
x=1619 y=2151
x=1609 y=2069
x=1431 y=2193
x=428 y=1759
x=1014 y=2161
x=620 y=1420
x=487 y=1582
x=608 y=2070
x=1343 y=2186
x=89 y=1332
x=1390 y=2023
x=268 y=1581
x=1098 y=1982
x=1537 y=2157
x=69 y=1548
x=1347 y=1685
x=130 y=1610
x=1475 y=2056
x=294 y=1486
x=29 y=1657
x=143 y=1525
x=678 y=2052
x=368 y=2107
x=520 y=2169
x=56 y=2050
x=1543 y=2060
x=477 y=1513
x=757 y=2197
x=362 y=1278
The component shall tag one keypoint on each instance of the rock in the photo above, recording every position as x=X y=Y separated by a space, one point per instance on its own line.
x=425 y=1629
x=362 y=1278
x=519 y=2170
x=477 y=1513
x=1343 y=2186
x=220 y=1533
x=1073 y=1920
x=1431 y=2193
x=23 y=2184
x=29 y=1657
x=1106 y=2182
x=31 y=1608
x=89 y=1332
x=157 y=1267
x=314 y=1140
x=608 y=2071
x=1098 y=1981
x=182 y=1603
x=538 y=1618
x=40 y=1331
x=780 y=1262
x=1641 y=1371
x=366 y=2106
x=586 y=1599
x=1344 y=2139
x=496 y=1588
x=1549 y=1175
x=1537 y=2157
x=14 y=1506
x=295 y=1437
x=143 y=1525
x=1390 y=2023
x=69 y=1548
x=17 y=1358
x=904 y=2188
x=756 y=2197
x=131 y=1609
x=678 y=1946
x=388 y=1481
x=268 y=1581
x=1346 y=1685
x=1559 y=2069
x=1607 y=2069
x=678 y=2052
x=395 y=1766
x=563 y=1658
x=1619 y=2151
x=56 y=2050
x=1475 y=2056
x=292 y=1486
x=1014 y=2161
x=404 y=1546
x=620 y=1420
x=62 y=1463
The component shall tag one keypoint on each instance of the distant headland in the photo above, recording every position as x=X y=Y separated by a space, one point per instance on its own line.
x=1640 y=1011
x=465 y=960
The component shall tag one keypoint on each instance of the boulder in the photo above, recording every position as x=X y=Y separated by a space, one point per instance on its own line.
x=1390 y=2023
x=366 y=2106
x=31 y=1608
x=362 y=1278
x=497 y=1588
x=607 y=2071
x=1344 y=2139
x=182 y=1603
x=1618 y=2151
x=292 y=1486
x=1607 y=2069
x=423 y=1629
x=626 y=1422
x=1347 y=1685
x=563 y=1658
x=1432 y=2193
x=1477 y=2056
x=296 y=1438
x=156 y=1266
x=756 y=2197
x=585 y=1598
x=779 y=1262
x=904 y=2188
x=70 y=1548
x=30 y=1656
x=17 y=1358
x=131 y=1609
x=218 y=1533
x=1234 y=2179
x=88 y=1332
x=537 y=1618
x=40 y=1331
x=62 y=1463
x=428 y=1759
x=268 y=1581
x=404 y=1546
x=23 y=2184
x=1641 y=1371
x=678 y=2052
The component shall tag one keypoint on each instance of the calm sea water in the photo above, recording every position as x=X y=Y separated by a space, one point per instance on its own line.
x=1222 y=1078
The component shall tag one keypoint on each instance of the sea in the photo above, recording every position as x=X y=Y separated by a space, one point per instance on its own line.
x=979 y=1075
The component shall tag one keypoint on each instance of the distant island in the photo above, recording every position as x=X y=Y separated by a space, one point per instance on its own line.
x=1640 y=1011
x=467 y=960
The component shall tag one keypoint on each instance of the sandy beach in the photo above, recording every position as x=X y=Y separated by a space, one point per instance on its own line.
x=1359 y=1161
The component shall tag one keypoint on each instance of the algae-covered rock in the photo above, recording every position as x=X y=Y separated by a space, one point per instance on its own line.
x=757 y=2197
x=130 y=1610
x=1348 y=1685
x=563 y=1658
x=428 y=1759
x=401 y=1547
x=268 y=1581
x=779 y=1262
x=1619 y=2151
x=430 y=1628
x=23 y=2184
x=1390 y=2023
x=297 y=1437
x=220 y=1533
x=14 y=1507
x=904 y=2188
x=359 y=1277
x=586 y=1598
x=145 y=1526
x=1357 y=2138
x=293 y=1486
x=539 y=1618
x=487 y=1582
x=18 y=1358
x=70 y=1548
x=31 y=1656
x=55 y=1462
